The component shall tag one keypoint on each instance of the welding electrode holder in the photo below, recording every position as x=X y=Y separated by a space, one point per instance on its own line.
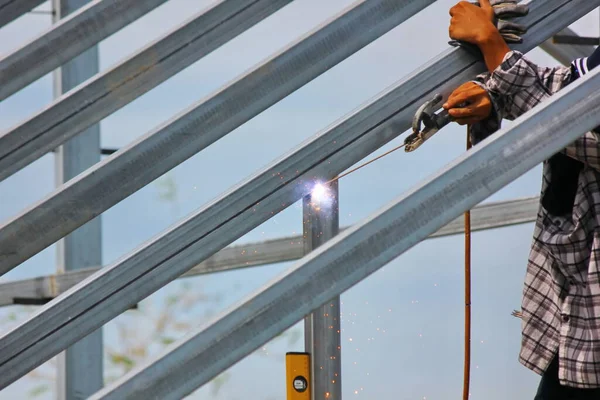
x=431 y=122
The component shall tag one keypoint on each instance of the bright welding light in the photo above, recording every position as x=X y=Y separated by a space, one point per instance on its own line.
x=319 y=193
x=321 y=197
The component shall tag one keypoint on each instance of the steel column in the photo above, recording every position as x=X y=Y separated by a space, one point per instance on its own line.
x=355 y=254
x=322 y=328
x=117 y=287
x=80 y=369
x=136 y=75
x=81 y=30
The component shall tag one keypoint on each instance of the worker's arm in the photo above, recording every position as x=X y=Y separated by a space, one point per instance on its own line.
x=514 y=88
x=512 y=85
x=475 y=25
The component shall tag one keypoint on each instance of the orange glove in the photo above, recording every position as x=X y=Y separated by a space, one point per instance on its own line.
x=477 y=104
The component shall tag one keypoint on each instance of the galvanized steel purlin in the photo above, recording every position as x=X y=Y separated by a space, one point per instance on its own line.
x=110 y=90
x=68 y=38
x=162 y=149
x=90 y=304
x=13 y=9
x=358 y=252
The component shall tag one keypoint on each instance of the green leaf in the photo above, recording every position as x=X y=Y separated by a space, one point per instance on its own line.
x=122 y=359
x=38 y=390
x=166 y=340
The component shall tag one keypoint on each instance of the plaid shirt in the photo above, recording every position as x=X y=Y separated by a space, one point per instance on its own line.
x=561 y=295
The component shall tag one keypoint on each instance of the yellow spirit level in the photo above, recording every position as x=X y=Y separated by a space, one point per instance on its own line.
x=297 y=372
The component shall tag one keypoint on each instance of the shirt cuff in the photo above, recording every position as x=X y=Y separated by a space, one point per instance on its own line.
x=514 y=74
x=486 y=127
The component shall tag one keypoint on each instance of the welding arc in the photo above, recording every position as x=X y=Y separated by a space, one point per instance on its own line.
x=365 y=164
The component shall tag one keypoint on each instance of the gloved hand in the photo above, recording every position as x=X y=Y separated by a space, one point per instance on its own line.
x=505 y=10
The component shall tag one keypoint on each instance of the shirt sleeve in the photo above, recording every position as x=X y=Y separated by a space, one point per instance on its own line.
x=517 y=86
x=586 y=149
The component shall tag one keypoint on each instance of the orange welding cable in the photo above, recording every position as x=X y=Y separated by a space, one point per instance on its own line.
x=467 y=366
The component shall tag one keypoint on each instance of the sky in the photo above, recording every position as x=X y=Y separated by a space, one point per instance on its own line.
x=402 y=328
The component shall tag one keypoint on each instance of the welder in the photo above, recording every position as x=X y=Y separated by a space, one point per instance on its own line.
x=560 y=307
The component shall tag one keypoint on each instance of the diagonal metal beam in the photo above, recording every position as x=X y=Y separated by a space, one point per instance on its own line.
x=162 y=149
x=360 y=251
x=68 y=38
x=109 y=91
x=42 y=289
x=13 y=9
x=565 y=53
x=115 y=288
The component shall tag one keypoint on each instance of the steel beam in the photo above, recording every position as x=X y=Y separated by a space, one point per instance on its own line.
x=80 y=368
x=172 y=143
x=81 y=30
x=565 y=53
x=114 y=88
x=116 y=287
x=13 y=9
x=42 y=289
x=322 y=329
x=576 y=40
x=357 y=253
